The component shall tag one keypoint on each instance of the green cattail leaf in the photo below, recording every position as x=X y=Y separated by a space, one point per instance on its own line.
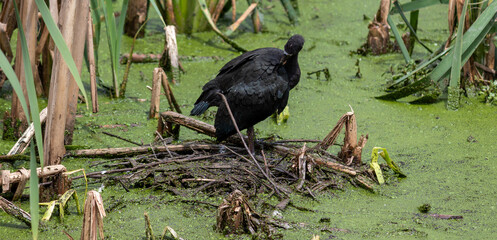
x=30 y=87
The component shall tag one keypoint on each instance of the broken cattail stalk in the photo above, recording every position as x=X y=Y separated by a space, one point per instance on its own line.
x=26 y=137
x=173 y=104
x=217 y=11
x=378 y=40
x=8 y=16
x=172 y=52
x=136 y=16
x=93 y=217
x=42 y=43
x=236 y=24
x=256 y=20
x=207 y=15
x=4 y=42
x=233 y=10
x=155 y=97
x=149 y=233
x=170 y=12
x=29 y=20
x=62 y=100
x=77 y=17
x=331 y=137
x=91 y=61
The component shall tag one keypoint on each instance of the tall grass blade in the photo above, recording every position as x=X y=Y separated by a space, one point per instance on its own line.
x=30 y=87
x=399 y=40
x=471 y=40
x=14 y=82
x=411 y=29
x=34 y=195
x=418 y=68
x=154 y=4
x=455 y=72
x=61 y=45
x=111 y=40
x=120 y=29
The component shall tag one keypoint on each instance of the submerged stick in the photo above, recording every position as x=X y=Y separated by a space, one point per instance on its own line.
x=124 y=139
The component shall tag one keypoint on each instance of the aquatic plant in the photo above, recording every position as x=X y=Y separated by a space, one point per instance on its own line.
x=489 y=93
x=452 y=58
x=114 y=39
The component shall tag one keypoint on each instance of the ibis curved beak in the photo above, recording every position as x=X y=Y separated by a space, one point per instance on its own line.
x=285 y=58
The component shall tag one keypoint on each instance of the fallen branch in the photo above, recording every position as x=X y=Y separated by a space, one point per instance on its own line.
x=15 y=177
x=188 y=122
x=26 y=137
x=15 y=211
x=140 y=58
x=127 y=151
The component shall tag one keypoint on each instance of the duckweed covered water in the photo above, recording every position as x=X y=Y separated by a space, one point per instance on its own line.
x=449 y=156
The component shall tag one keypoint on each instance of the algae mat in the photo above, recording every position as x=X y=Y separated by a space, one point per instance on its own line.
x=453 y=175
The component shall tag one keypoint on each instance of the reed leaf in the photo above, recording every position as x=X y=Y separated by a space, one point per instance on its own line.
x=471 y=40
x=455 y=72
x=418 y=68
x=418 y=4
x=399 y=40
x=34 y=195
x=111 y=40
x=30 y=87
x=120 y=29
x=61 y=45
x=114 y=37
x=14 y=82
x=411 y=28
x=161 y=16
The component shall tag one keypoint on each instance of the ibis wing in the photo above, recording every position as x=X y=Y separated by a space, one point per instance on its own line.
x=261 y=89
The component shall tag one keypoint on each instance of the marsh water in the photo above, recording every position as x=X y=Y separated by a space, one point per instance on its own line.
x=448 y=156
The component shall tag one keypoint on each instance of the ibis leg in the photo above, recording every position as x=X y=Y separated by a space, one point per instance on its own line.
x=250 y=135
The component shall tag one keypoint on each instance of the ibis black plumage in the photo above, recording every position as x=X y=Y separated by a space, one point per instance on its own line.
x=256 y=84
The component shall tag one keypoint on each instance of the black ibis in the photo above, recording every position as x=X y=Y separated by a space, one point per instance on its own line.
x=256 y=84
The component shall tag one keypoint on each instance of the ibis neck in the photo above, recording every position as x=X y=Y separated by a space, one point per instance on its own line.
x=293 y=70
